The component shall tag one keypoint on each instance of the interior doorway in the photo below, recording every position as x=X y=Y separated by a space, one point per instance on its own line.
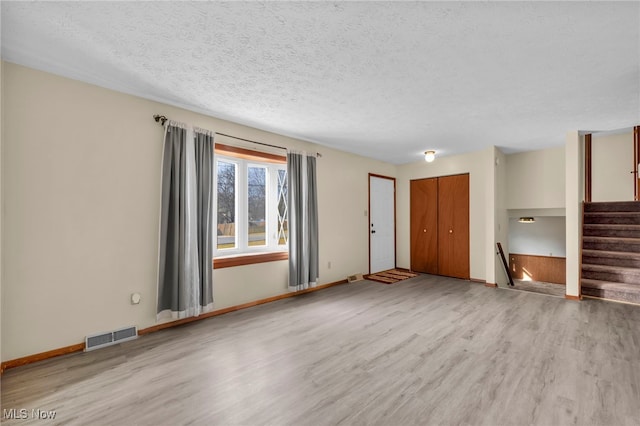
x=611 y=165
x=537 y=252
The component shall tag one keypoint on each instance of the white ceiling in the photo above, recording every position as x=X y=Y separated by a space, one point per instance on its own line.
x=387 y=80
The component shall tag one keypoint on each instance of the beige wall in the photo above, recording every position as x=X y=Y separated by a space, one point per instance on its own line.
x=492 y=164
x=473 y=163
x=611 y=164
x=497 y=219
x=496 y=216
x=536 y=179
x=81 y=169
x=501 y=217
x=1 y=194
x=574 y=170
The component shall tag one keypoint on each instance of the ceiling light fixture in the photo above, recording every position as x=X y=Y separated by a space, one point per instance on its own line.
x=429 y=156
x=526 y=220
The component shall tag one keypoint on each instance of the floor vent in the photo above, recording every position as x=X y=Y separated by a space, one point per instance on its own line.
x=354 y=278
x=102 y=340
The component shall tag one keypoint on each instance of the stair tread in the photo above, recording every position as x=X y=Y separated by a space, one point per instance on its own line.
x=612 y=226
x=609 y=253
x=589 y=283
x=607 y=268
x=611 y=206
x=587 y=203
x=613 y=239
x=612 y=213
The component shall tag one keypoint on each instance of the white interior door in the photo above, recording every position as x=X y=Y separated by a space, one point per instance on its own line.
x=382 y=238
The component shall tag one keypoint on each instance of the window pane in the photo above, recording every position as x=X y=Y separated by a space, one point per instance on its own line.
x=283 y=228
x=226 y=205
x=257 y=205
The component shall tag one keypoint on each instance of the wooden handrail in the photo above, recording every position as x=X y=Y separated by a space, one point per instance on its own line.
x=636 y=160
x=587 y=167
x=506 y=265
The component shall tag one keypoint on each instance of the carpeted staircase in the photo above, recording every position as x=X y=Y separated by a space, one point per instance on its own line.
x=611 y=251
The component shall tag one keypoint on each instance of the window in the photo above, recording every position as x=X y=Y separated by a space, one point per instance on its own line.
x=251 y=202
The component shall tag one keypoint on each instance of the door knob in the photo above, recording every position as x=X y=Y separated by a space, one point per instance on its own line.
x=451 y=231
x=424 y=230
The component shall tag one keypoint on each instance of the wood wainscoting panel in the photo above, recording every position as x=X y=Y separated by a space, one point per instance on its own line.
x=549 y=269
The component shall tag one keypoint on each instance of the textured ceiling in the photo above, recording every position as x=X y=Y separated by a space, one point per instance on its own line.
x=387 y=80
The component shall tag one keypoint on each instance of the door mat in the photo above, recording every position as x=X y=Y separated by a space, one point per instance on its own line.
x=391 y=276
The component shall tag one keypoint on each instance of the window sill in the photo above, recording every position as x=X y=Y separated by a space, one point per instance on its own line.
x=249 y=259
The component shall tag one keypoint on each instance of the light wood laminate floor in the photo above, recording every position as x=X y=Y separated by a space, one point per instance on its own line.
x=541 y=287
x=429 y=350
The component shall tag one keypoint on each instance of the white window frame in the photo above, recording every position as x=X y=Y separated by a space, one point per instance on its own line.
x=242 y=208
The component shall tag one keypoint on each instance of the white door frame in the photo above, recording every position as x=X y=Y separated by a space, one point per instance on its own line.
x=369 y=225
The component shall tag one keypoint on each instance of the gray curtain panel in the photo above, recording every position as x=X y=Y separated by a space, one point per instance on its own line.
x=186 y=224
x=173 y=222
x=204 y=148
x=303 y=220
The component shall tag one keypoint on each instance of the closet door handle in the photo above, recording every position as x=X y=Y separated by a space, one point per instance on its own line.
x=451 y=231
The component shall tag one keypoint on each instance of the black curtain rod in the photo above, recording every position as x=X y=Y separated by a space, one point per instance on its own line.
x=162 y=119
x=248 y=140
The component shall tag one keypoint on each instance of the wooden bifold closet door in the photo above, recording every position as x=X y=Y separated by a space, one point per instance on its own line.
x=424 y=225
x=440 y=226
